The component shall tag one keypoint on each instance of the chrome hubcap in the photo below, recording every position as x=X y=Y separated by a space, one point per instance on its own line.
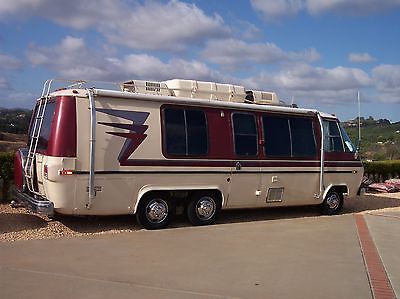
x=333 y=201
x=157 y=210
x=205 y=208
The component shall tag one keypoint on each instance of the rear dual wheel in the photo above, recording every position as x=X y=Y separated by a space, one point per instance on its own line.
x=203 y=208
x=154 y=211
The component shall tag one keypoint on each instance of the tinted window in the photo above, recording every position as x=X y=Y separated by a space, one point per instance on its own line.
x=185 y=132
x=303 y=142
x=196 y=132
x=332 y=138
x=46 y=125
x=288 y=137
x=245 y=134
x=175 y=131
x=277 y=136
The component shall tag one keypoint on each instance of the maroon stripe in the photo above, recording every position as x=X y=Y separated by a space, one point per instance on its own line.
x=230 y=163
x=378 y=279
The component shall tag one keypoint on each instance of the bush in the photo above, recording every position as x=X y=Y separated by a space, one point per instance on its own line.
x=6 y=173
x=382 y=170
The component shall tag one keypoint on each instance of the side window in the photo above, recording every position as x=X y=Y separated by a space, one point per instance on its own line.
x=185 y=132
x=288 y=137
x=175 y=131
x=303 y=141
x=332 y=137
x=276 y=136
x=349 y=147
x=196 y=133
x=245 y=134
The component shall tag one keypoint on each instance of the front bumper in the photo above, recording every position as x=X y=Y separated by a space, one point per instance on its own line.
x=35 y=203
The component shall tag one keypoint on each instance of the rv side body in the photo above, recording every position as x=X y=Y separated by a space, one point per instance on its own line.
x=242 y=155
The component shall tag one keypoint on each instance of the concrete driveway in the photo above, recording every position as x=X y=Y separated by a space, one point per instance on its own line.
x=315 y=257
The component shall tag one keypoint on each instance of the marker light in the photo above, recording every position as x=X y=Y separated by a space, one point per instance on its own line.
x=65 y=172
x=46 y=172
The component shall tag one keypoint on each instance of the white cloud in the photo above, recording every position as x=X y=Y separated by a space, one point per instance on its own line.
x=273 y=9
x=387 y=82
x=9 y=62
x=160 y=25
x=73 y=59
x=351 y=6
x=232 y=53
x=313 y=84
x=11 y=98
x=4 y=84
x=360 y=57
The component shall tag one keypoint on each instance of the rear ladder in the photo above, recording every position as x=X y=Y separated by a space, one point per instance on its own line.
x=34 y=138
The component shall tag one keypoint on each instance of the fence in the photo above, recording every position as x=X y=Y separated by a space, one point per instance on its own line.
x=379 y=171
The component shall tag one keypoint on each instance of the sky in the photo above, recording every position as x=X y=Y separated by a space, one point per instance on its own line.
x=315 y=53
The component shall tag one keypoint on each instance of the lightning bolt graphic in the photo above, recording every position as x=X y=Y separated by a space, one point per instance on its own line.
x=136 y=134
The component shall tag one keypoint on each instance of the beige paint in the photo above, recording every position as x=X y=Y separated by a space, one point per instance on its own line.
x=119 y=193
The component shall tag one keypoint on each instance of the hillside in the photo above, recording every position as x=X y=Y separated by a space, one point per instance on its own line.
x=14 y=120
x=10 y=142
x=380 y=139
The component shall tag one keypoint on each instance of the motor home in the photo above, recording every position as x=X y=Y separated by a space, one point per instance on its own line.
x=151 y=148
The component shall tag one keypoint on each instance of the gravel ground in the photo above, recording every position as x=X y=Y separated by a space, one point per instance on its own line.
x=20 y=224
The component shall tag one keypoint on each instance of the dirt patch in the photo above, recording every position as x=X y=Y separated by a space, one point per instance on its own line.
x=11 y=142
x=20 y=224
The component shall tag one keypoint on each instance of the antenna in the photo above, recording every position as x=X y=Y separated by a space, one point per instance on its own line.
x=359 y=123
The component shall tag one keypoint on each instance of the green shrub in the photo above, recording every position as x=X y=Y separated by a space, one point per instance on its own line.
x=6 y=173
x=382 y=170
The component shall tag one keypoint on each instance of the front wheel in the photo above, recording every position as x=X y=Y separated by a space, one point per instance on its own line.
x=332 y=204
x=202 y=208
x=154 y=212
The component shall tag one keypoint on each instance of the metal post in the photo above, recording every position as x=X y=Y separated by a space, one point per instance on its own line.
x=321 y=174
x=92 y=142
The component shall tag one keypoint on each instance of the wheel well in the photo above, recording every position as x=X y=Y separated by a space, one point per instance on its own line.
x=340 y=189
x=214 y=192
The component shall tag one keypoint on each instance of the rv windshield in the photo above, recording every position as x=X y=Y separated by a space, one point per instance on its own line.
x=348 y=145
x=45 y=127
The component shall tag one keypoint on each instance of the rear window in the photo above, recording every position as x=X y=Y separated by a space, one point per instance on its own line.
x=46 y=125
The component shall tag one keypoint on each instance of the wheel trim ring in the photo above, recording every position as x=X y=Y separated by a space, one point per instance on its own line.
x=205 y=208
x=156 y=210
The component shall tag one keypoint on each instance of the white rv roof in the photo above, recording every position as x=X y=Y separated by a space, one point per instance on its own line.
x=185 y=100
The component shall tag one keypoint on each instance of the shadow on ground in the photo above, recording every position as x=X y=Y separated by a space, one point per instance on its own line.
x=108 y=223
x=97 y=224
x=10 y=222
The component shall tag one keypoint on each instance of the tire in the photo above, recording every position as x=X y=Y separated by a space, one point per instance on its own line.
x=154 y=211
x=203 y=208
x=332 y=204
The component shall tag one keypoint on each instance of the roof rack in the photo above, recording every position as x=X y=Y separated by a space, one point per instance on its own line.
x=176 y=88
x=203 y=90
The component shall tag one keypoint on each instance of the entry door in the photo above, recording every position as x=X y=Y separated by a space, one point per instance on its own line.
x=290 y=188
x=245 y=176
x=245 y=183
x=291 y=175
